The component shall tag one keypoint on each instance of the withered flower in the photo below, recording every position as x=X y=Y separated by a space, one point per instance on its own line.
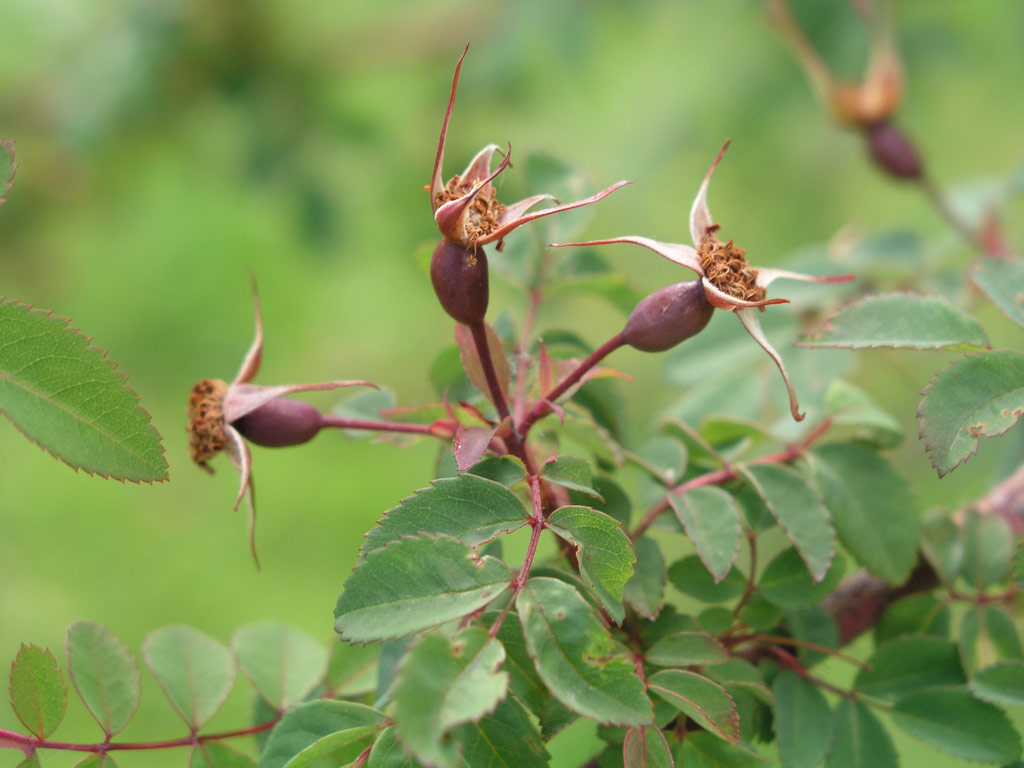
x=468 y=214
x=223 y=416
x=728 y=280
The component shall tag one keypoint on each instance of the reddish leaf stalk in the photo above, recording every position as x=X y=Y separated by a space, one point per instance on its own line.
x=543 y=406
x=727 y=473
x=19 y=740
x=374 y=426
x=483 y=351
x=538 y=524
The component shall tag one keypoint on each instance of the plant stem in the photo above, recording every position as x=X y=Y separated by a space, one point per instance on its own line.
x=537 y=523
x=15 y=739
x=483 y=351
x=727 y=473
x=974 y=237
x=374 y=426
x=545 y=405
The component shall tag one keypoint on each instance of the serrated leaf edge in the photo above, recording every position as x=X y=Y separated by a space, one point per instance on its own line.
x=31 y=309
x=63 y=686
x=811 y=341
x=122 y=647
x=929 y=447
x=734 y=717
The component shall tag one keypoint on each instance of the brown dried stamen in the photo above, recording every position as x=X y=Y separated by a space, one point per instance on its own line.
x=481 y=216
x=725 y=266
x=206 y=420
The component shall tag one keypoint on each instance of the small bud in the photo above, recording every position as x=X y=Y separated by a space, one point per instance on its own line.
x=280 y=422
x=893 y=151
x=668 y=316
x=459 y=276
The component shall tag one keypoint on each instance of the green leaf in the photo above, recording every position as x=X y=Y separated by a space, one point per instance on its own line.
x=443 y=683
x=987 y=634
x=97 y=761
x=799 y=511
x=388 y=753
x=859 y=740
x=899 y=321
x=702 y=750
x=812 y=624
x=314 y=729
x=737 y=675
x=851 y=406
x=726 y=431
x=979 y=395
x=471 y=358
x=415 y=583
x=803 y=722
x=614 y=501
x=1001 y=683
x=505 y=739
x=195 y=671
x=468 y=507
x=786 y=583
x=701 y=699
x=352 y=669
x=760 y=615
x=69 y=398
x=691 y=577
x=281 y=662
x=7 y=169
x=914 y=615
x=1002 y=280
x=38 y=694
x=31 y=761
x=645 y=590
x=873 y=509
x=105 y=675
x=570 y=472
x=213 y=754
x=507 y=470
x=988 y=549
x=952 y=720
x=712 y=522
x=577 y=658
x=646 y=747
x=908 y=664
x=604 y=552
x=664 y=458
x=687 y=649
x=942 y=545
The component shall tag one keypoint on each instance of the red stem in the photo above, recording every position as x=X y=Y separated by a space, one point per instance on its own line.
x=374 y=426
x=483 y=351
x=537 y=523
x=544 y=405
x=728 y=473
x=15 y=739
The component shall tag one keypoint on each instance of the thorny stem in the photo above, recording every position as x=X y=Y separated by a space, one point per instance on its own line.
x=11 y=738
x=729 y=473
x=374 y=426
x=544 y=405
x=537 y=523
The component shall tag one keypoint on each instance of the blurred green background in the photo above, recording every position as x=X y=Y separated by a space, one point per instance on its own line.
x=168 y=147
